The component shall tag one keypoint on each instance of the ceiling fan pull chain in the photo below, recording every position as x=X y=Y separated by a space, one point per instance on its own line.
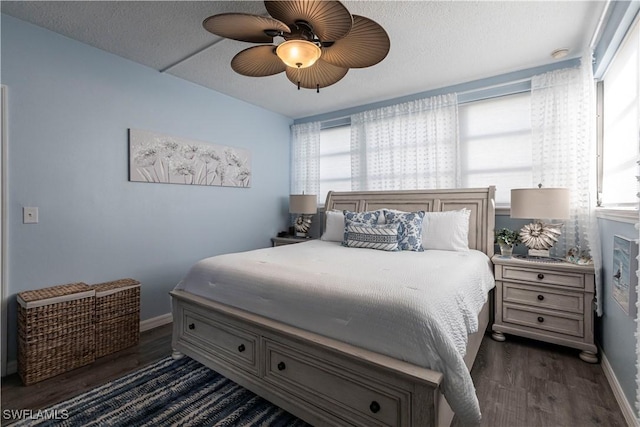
x=317 y=87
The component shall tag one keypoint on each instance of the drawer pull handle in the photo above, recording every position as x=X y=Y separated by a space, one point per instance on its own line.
x=540 y=297
x=241 y=348
x=540 y=276
x=281 y=366
x=192 y=325
x=374 y=407
x=540 y=319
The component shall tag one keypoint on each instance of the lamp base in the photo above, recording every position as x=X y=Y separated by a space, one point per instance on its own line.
x=539 y=237
x=302 y=225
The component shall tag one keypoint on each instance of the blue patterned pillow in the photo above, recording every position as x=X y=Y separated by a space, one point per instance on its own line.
x=366 y=218
x=383 y=237
x=409 y=230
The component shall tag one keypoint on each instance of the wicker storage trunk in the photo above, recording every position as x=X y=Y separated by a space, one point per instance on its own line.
x=117 y=315
x=56 y=330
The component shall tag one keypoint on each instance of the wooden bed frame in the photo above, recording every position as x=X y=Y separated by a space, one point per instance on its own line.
x=321 y=380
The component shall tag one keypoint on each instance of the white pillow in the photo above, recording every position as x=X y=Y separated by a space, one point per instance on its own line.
x=334 y=230
x=447 y=231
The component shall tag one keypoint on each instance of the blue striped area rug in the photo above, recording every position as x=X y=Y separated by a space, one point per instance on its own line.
x=168 y=393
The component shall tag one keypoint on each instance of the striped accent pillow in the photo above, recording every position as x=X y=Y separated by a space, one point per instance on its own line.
x=383 y=237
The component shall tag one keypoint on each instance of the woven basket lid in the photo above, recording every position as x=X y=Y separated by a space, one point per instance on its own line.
x=53 y=294
x=120 y=284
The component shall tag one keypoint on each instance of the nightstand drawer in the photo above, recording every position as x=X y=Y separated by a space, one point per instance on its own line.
x=544 y=319
x=543 y=297
x=547 y=277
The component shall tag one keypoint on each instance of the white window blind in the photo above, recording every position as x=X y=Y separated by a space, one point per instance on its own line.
x=495 y=144
x=335 y=160
x=621 y=123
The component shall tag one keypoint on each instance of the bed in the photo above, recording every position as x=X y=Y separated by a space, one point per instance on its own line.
x=306 y=326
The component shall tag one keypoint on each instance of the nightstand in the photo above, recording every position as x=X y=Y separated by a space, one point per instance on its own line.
x=290 y=240
x=546 y=301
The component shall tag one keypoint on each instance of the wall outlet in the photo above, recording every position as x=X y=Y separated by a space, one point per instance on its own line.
x=29 y=215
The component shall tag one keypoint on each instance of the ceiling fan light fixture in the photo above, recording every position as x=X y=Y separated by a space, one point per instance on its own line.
x=298 y=53
x=560 y=53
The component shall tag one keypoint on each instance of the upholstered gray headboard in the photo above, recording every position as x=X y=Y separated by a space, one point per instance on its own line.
x=480 y=201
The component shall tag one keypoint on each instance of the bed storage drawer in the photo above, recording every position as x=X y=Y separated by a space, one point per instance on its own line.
x=228 y=342
x=321 y=380
x=365 y=401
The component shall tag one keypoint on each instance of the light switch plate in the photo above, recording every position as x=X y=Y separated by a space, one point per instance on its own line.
x=29 y=215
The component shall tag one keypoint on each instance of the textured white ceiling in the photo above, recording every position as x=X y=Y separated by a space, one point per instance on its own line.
x=433 y=44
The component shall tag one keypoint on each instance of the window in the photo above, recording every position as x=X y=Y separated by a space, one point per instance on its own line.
x=621 y=123
x=495 y=147
x=495 y=144
x=335 y=160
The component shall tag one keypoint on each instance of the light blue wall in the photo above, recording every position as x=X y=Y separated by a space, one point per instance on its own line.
x=70 y=106
x=615 y=330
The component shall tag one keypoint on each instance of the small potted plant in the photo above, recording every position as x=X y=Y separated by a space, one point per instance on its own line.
x=507 y=239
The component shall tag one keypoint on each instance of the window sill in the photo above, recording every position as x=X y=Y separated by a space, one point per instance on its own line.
x=628 y=215
x=503 y=210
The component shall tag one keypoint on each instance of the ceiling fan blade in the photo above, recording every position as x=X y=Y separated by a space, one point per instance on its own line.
x=330 y=19
x=243 y=27
x=320 y=74
x=258 y=61
x=366 y=45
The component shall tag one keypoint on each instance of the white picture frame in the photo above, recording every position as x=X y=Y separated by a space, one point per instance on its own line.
x=160 y=158
x=625 y=280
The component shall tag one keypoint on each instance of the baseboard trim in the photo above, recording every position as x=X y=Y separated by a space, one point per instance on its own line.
x=621 y=398
x=155 y=322
x=145 y=325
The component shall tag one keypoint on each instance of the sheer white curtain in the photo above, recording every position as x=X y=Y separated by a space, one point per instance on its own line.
x=305 y=158
x=564 y=152
x=406 y=146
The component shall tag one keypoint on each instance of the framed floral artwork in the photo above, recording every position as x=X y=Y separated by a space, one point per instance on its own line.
x=160 y=158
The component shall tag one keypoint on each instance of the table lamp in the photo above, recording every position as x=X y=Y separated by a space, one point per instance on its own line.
x=304 y=205
x=537 y=204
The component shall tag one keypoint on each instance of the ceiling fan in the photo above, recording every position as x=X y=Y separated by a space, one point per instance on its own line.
x=322 y=40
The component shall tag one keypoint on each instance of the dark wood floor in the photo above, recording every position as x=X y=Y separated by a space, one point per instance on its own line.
x=520 y=383
x=154 y=345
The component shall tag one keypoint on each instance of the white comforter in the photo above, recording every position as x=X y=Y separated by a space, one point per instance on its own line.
x=414 y=306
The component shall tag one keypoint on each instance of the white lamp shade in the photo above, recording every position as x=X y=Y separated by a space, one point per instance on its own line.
x=540 y=203
x=303 y=204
